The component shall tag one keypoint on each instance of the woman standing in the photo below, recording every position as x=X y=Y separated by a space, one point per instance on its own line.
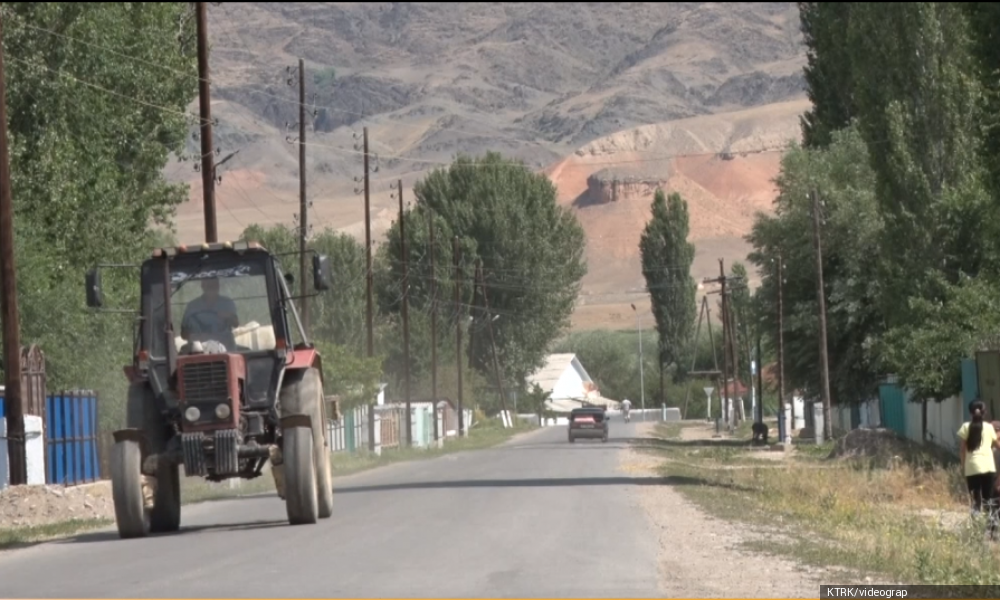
x=979 y=439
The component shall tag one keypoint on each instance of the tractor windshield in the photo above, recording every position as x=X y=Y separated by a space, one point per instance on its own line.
x=221 y=299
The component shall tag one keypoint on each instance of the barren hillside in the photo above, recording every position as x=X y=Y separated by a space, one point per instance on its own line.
x=537 y=81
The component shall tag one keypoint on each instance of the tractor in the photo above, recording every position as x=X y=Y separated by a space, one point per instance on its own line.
x=224 y=381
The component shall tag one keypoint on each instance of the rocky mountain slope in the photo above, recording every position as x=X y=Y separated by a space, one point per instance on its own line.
x=537 y=81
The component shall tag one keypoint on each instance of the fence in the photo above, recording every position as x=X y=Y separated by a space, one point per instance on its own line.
x=71 y=454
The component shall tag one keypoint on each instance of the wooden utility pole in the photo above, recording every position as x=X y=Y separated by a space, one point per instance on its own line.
x=303 y=207
x=493 y=342
x=759 y=417
x=821 y=300
x=781 y=346
x=434 y=358
x=725 y=345
x=734 y=346
x=455 y=253
x=406 y=316
x=13 y=390
x=368 y=252
x=205 y=101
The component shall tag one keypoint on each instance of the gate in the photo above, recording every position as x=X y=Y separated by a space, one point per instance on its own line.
x=892 y=407
x=71 y=455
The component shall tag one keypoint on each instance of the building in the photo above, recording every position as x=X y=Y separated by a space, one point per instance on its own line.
x=568 y=383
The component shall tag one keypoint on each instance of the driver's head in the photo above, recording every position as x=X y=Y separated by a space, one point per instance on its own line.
x=210 y=287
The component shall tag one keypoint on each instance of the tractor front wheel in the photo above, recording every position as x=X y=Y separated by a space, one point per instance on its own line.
x=131 y=515
x=300 y=476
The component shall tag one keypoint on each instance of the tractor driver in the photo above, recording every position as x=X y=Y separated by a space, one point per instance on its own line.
x=210 y=316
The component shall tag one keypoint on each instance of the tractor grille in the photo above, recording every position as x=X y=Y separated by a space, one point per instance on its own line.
x=205 y=382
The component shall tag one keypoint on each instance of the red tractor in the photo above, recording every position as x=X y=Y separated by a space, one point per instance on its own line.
x=223 y=382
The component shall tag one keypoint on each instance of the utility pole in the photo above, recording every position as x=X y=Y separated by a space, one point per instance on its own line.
x=821 y=299
x=760 y=382
x=734 y=346
x=455 y=253
x=13 y=390
x=204 y=98
x=781 y=346
x=303 y=208
x=493 y=342
x=727 y=401
x=642 y=382
x=406 y=316
x=368 y=251
x=434 y=358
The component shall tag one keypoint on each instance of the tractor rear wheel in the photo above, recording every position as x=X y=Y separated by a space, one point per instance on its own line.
x=300 y=476
x=131 y=516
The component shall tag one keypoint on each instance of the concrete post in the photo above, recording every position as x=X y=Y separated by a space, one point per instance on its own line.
x=818 y=421
x=787 y=411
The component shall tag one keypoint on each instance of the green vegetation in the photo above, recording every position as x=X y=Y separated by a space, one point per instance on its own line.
x=666 y=264
x=900 y=522
x=902 y=149
x=11 y=537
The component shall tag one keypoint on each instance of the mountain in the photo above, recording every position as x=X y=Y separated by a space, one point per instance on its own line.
x=565 y=87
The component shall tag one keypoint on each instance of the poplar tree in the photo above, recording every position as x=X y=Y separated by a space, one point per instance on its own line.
x=666 y=264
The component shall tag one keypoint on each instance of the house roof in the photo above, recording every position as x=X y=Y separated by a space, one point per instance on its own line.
x=549 y=374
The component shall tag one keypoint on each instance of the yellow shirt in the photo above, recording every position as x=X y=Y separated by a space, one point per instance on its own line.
x=980 y=460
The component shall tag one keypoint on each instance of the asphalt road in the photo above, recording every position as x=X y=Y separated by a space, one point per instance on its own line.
x=537 y=517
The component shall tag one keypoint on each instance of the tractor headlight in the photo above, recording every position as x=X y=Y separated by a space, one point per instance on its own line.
x=192 y=413
x=222 y=411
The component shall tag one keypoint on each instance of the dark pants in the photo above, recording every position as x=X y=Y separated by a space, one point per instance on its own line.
x=981 y=488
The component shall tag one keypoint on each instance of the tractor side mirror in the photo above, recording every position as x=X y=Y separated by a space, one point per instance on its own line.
x=290 y=280
x=321 y=272
x=95 y=293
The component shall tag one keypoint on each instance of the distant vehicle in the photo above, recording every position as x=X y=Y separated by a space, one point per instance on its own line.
x=588 y=422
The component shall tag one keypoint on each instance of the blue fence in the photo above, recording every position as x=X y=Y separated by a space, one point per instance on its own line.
x=71 y=444
x=71 y=448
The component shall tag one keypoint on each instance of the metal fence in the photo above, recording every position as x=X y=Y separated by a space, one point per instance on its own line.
x=71 y=437
x=71 y=452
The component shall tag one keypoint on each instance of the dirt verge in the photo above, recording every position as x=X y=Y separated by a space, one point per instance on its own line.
x=702 y=557
x=39 y=505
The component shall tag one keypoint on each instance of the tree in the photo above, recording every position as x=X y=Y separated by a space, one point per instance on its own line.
x=337 y=315
x=532 y=252
x=746 y=325
x=852 y=233
x=97 y=98
x=537 y=398
x=666 y=265
x=920 y=113
x=925 y=355
x=828 y=72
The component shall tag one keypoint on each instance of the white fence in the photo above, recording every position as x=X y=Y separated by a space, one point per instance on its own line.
x=943 y=419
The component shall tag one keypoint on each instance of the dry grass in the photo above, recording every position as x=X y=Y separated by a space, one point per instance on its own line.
x=841 y=512
x=18 y=536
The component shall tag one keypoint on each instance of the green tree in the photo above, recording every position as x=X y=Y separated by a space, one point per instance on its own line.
x=97 y=98
x=926 y=354
x=920 y=111
x=666 y=264
x=746 y=323
x=852 y=234
x=337 y=315
x=828 y=72
x=532 y=252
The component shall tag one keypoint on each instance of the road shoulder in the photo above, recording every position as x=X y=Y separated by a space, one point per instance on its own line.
x=701 y=556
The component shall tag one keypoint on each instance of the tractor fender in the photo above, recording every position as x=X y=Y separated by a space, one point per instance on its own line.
x=305 y=358
x=133 y=435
